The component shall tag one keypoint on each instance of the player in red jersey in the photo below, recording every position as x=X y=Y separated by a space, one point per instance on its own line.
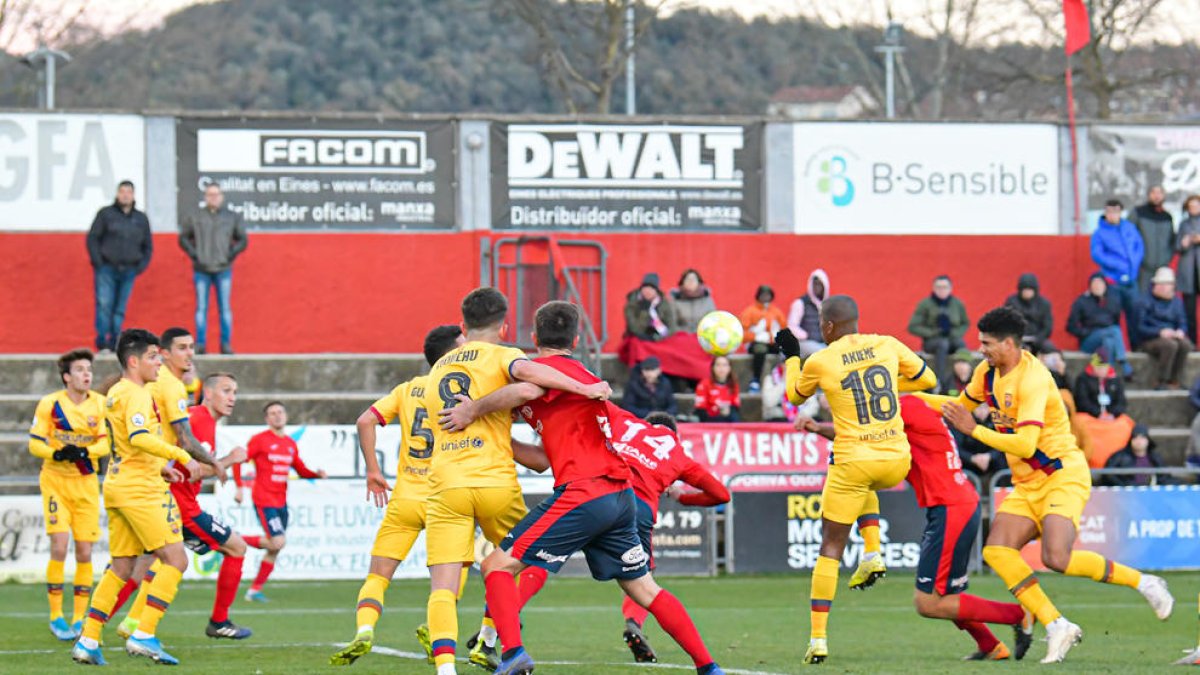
x=656 y=460
x=274 y=454
x=952 y=516
x=593 y=507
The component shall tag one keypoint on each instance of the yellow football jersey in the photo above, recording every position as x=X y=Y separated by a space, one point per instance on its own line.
x=859 y=375
x=60 y=421
x=139 y=452
x=403 y=404
x=480 y=455
x=1027 y=395
x=171 y=397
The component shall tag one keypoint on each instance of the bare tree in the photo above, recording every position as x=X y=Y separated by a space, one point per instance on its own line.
x=581 y=45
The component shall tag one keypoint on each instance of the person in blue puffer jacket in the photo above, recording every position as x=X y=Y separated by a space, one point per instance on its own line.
x=1118 y=249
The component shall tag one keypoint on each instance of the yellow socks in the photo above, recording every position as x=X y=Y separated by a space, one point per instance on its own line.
x=868 y=524
x=370 y=602
x=1097 y=568
x=103 y=600
x=824 y=587
x=443 y=626
x=1021 y=581
x=82 y=590
x=139 y=601
x=54 y=587
x=158 y=598
x=462 y=582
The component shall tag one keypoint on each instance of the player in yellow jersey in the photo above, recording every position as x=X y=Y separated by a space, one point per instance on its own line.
x=862 y=376
x=472 y=474
x=68 y=434
x=1051 y=480
x=141 y=513
x=172 y=400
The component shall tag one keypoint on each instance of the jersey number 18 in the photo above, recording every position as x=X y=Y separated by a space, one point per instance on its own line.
x=874 y=394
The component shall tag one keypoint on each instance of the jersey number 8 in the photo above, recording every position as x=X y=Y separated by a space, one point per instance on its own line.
x=874 y=395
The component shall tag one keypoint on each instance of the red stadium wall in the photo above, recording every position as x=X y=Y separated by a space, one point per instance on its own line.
x=381 y=292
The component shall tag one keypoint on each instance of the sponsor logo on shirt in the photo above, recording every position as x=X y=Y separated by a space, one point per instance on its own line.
x=138 y=419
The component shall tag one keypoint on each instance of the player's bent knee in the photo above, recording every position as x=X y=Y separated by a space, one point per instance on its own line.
x=500 y=561
x=641 y=590
x=383 y=567
x=235 y=547
x=1056 y=559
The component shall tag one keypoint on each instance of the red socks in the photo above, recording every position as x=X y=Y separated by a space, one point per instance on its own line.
x=227 y=586
x=253 y=540
x=500 y=591
x=674 y=619
x=126 y=591
x=532 y=580
x=975 y=608
x=981 y=633
x=634 y=612
x=264 y=570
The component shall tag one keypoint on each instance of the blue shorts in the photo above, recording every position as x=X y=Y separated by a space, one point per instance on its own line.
x=205 y=533
x=274 y=520
x=597 y=516
x=645 y=527
x=946 y=547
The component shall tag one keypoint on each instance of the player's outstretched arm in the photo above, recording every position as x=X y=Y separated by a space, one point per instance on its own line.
x=152 y=444
x=549 y=378
x=377 y=485
x=925 y=380
x=938 y=401
x=466 y=411
x=711 y=491
x=101 y=448
x=235 y=456
x=530 y=456
x=1021 y=444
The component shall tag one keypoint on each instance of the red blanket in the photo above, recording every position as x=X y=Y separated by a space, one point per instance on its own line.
x=680 y=354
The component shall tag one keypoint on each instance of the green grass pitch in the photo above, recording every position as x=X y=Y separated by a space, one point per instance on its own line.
x=757 y=624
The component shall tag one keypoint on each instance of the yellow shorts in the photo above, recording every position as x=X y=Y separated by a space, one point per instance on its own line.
x=71 y=504
x=1063 y=493
x=402 y=522
x=847 y=486
x=140 y=528
x=451 y=515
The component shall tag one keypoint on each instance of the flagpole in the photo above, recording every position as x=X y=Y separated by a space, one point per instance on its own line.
x=1074 y=146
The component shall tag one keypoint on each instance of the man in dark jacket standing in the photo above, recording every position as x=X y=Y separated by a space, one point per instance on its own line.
x=1157 y=228
x=1039 y=319
x=1162 y=327
x=119 y=245
x=212 y=237
x=940 y=320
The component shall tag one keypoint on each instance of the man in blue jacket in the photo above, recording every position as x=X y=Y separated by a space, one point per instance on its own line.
x=1162 y=327
x=1118 y=249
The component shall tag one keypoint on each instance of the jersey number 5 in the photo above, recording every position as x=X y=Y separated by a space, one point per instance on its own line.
x=420 y=431
x=874 y=395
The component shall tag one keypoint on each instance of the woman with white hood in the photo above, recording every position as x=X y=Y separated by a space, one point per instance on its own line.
x=804 y=318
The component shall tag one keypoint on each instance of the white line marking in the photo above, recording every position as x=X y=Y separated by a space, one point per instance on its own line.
x=388 y=651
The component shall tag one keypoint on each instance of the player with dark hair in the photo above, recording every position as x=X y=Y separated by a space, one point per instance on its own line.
x=69 y=436
x=141 y=513
x=1051 y=480
x=862 y=376
x=274 y=454
x=952 y=516
x=593 y=507
x=472 y=475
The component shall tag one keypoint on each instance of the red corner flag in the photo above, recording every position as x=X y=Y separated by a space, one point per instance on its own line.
x=1079 y=31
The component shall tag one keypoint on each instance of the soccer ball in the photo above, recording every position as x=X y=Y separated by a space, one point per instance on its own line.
x=719 y=333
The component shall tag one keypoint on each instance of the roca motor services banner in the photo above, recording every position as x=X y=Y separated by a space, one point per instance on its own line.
x=1124 y=161
x=899 y=178
x=323 y=174
x=56 y=171
x=627 y=176
x=1153 y=528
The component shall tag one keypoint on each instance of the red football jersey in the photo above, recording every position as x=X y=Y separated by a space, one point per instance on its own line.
x=574 y=429
x=204 y=428
x=936 y=472
x=656 y=460
x=274 y=457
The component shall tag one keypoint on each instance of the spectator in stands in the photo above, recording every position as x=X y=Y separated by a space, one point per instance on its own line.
x=648 y=391
x=120 y=246
x=1188 y=246
x=1058 y=370
x=761 y=320
x=1117 y=249
x=212 y=237
x=1157 y=228
x=960 y=373
x=1039 y=318
x=941 y=322
x=718 y=398
x=692 y=300
x=1162 y=325
x=804 y=316
x=1099 y=391
x=1096 y=318
x=1193 y=443
x=1139 y=454
x=648 y=314
x=978 y=458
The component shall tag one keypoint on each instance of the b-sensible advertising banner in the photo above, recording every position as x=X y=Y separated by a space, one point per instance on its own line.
x=894 y=178
x=321 y=174
x=698 y=177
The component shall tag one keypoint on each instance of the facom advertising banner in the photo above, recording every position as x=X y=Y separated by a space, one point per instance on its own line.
x=899 y=178
x=57 y=171
x=657 y=177
x=1125 y=161
x=321 y=174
